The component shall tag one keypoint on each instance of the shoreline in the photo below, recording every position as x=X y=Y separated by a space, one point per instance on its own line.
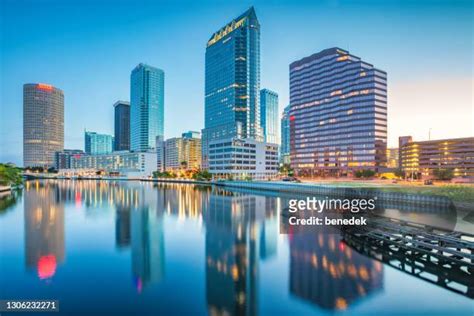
x=393 y=194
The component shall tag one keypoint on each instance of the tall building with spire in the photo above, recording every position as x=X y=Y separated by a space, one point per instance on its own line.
x=232 y=83
x=232 y=98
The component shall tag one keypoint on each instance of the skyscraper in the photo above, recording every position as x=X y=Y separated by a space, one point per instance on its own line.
x=97 y=144
x=338 y=115
x=269 y=115
x=122 y=125
x=285 y=136
x=146 y=107
x=43 y=124
x=232 y=83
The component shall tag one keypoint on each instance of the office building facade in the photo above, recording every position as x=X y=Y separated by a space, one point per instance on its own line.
x=43 y=124
x=98 y=144
x=285 y=136
x=160 y=153
x=146 y=107
x=338 y=114
x=423 y=158
x=392 y=158
x=183 y=153
x=269 y=116
x=232 y=82
x=121 y=163
x=122 y=125
x=243 y=159
x=62 y=159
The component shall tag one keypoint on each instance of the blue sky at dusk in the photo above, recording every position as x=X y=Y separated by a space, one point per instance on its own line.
x=88 y=49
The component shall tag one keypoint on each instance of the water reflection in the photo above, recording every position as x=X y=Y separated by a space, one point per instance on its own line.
x=326 y=272
x=240 y=233
x=148 y=250
x=44 y=231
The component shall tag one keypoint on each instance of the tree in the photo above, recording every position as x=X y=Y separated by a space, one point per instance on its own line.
x=10 y=175
x=443 y=174
x=286 y=169
x=366 y=173
x=399 y=173
x=202 y=175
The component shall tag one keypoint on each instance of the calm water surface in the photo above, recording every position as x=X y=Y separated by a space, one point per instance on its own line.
x=129 y=247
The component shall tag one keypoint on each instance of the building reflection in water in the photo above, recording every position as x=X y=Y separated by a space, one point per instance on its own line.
x=232 y=253
x=44 y=229
x=122 y=227
x=269 y=229
x=326 y=272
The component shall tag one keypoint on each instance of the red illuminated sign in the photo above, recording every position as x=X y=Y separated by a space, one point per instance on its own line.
x=292 y=118
x=45 y=87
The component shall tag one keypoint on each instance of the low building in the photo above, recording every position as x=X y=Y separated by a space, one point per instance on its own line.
x=62 y=159
x=120 y=163
x=424 y=157
x=183 y=153
x=243 y=158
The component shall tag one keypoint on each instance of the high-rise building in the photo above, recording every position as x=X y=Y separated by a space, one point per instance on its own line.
x=285 y=136
x=232 y=103
x=183 y=153
x=146 y=107
x=232 y=83
x=122 y=125
x=160 y=153
x=97 y=144
x=338 y=114
x=43 y=124
x=269 y=115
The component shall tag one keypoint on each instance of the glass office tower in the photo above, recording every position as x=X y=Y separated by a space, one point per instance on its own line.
x=338 y=115
x=146 y=107
x=285 y=136
x=122 y=125
x=98 y=144
x=269 y=115
x=232 y=82
x=43 y=124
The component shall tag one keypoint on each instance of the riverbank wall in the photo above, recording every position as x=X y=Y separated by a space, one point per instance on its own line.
x=342 y=191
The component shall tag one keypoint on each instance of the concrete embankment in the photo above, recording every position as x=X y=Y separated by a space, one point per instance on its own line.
x=168 y=180
x=341 y=191
x=5 y=188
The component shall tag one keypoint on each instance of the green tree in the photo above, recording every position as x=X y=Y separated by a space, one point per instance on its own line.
x=443 y=174
x=399 y=173
x=10 y=175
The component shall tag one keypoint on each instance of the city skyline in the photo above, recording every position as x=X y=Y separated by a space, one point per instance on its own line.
x=452 y=87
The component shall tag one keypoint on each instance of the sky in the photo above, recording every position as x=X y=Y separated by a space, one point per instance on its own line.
x=88 y=49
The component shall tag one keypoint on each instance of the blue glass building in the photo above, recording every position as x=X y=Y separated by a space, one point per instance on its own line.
x=338 y=115
x=98 y=144
x=232 y=82
x=285 y=136
x=269 y=115
x=146 y=107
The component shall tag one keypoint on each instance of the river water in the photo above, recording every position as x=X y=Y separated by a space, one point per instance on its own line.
x=117 y=248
